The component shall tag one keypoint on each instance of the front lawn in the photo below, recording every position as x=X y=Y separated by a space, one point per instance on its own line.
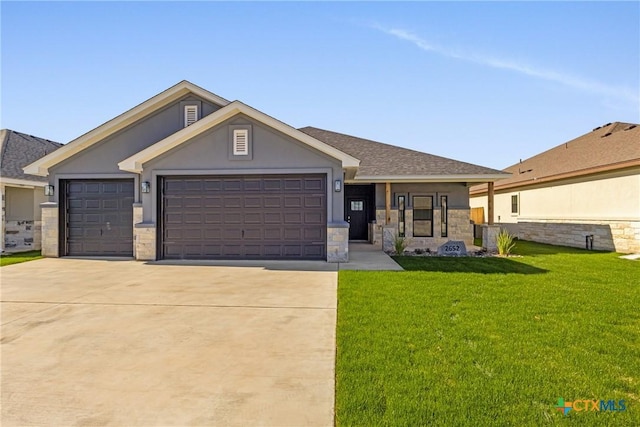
x=490 y=341
x=8 y=259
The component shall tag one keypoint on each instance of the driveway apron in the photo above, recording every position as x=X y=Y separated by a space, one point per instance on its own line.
x=95 y=342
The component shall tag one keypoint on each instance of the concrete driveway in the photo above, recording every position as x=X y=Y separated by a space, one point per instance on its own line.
x=93 y=342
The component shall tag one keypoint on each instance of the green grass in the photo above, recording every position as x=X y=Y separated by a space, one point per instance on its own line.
x=19 y=257
x=489 y=341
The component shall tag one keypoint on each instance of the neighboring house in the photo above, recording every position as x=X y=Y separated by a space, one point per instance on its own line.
x=21 y=193
x=581 y=192
x=190 y=175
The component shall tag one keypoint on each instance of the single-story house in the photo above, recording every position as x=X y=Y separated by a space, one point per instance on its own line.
x=21 y=193
x=582 y=193
x=190 y=175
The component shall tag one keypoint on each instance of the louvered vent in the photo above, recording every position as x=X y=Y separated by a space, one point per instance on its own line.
x=190 y=114
x=240 y=142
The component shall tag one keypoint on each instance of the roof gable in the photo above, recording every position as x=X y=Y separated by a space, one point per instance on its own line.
x=384 y=162
x=609 y=147
x=148 y=107
x=135 y=163
x=18 y=150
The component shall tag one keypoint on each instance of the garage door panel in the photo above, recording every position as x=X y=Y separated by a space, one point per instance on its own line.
x=291 y=184
x=293 y=218
x=313 y=218
x=253 y=217
x=313 y=201
x=272 y=202
x=99 y=217
x=271 y=233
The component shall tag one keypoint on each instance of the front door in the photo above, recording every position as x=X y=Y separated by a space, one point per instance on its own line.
x=357 y=217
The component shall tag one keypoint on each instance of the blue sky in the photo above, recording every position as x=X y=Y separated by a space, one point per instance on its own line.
x=487 y=83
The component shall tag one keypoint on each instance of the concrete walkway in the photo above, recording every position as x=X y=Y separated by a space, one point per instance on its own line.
x=365 y=256
x=125 y=343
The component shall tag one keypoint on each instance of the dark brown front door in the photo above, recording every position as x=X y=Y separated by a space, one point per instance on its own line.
x=357 y=217
x=359 y=209
x=97 y=217
x=244 y=217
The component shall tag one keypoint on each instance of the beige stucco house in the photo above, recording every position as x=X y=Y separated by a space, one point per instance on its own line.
x=21 y=193
x=583 y=192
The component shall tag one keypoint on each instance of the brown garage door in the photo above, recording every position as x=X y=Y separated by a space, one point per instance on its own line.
x=244 y=217
x=98 y=217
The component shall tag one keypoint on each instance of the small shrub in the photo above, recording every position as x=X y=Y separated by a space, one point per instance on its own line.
x=505 y=242
x=400 y=244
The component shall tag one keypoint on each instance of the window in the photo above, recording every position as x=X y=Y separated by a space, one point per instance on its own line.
x=514 y=204
x=240 y=142
x=423 y=216
x=357 y=205
x=444 y=214
x=190 y=114
x=401 y=216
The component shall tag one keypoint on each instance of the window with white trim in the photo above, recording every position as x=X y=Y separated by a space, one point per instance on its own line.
x=240 y=142
x=190 y=114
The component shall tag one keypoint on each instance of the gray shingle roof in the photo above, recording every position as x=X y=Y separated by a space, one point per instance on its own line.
x=383 y=160
x=18 y=150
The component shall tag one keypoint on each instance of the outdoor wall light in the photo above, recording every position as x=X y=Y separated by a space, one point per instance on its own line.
x=146 y=187
x=337 y=185
x=48 y=190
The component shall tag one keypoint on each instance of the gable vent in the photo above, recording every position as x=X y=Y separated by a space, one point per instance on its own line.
x=190 y=114
x=240 y=142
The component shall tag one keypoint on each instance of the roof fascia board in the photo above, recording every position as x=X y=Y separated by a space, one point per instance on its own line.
x=429 y=178
x=41 y=166
x=22 y=182
x=561 y=176
x=135 y=163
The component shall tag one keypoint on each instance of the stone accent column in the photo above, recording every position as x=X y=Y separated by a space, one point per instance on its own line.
x=338 y=242
x=50 y=233
x=389 y=234
x=137 y=218
x=145 y=241
x=489 y=233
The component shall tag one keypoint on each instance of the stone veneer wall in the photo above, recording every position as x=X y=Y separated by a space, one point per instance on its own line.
x=50 y=242
x=145 y=241
x=338 y=242
x=459 y=228
x=618 y=236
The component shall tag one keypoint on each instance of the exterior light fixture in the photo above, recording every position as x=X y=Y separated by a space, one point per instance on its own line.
x=146 y=187
x=337 y=185
x=49 y=190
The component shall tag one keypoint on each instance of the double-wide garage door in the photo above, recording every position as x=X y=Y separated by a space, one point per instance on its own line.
x=244 y=217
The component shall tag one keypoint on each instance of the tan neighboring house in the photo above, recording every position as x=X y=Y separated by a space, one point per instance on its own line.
x=21 y=193
x=585 y=192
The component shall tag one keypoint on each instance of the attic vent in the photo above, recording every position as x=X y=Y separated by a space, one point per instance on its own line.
x=241 y=142
x=605 y=135
x=630 y=127
x=190 y=114
x=595 y=129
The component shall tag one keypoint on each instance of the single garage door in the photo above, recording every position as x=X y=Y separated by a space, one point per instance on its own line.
x=244 y=217
x=98 y=217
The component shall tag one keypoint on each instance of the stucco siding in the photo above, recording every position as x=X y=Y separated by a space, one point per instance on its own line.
x=103 y=157
x=606 y=206
x=208 y=154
